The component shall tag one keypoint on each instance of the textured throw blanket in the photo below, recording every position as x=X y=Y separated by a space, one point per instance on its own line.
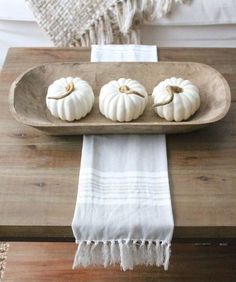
x=3 y=255
x=86 y=22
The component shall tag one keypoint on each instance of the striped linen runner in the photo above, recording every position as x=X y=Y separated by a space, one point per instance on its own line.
x=123 y=211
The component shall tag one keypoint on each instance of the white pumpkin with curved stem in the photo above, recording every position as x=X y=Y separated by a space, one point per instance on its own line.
x=70 y=98
x=176 y=99
x=122 y=99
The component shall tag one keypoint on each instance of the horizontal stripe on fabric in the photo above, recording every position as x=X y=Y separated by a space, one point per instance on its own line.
x=120 y=196
x=131 y=178
x=99 y=189
x=113 y=174
x=123 y=186
x=131 y=192
x=124 y=196
x=125 y=202
x=124 y=180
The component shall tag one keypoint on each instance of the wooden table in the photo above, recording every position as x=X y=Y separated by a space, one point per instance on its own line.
x=39 y=173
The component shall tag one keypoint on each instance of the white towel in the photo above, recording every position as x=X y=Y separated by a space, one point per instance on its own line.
x=123 y=212
x=125 y=53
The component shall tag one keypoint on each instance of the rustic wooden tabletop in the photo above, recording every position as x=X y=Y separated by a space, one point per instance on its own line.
x=39 y=173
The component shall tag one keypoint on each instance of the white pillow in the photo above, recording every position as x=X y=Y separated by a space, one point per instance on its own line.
x=201 y=12
x=15 y=10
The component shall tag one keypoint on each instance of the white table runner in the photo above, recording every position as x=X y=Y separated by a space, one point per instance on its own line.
x=123 y=212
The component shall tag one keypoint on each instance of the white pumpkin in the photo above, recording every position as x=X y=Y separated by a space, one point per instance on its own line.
x=122 y=99
x=69 y=98
x=176 y=99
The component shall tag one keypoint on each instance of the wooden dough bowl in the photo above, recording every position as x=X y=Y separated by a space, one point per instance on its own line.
x=28 y=92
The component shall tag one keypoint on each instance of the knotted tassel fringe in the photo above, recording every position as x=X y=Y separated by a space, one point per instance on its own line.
x=126 y=15
x=83 y=22
x=127 y=253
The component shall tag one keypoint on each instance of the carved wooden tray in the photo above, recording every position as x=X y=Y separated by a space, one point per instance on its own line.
x=28 y=92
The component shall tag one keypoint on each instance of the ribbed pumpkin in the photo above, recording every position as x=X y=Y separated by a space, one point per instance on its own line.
x=122 y=100
x=70 y=98
x=176 y=99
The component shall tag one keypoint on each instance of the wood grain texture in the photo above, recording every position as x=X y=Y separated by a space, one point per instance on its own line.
x=28 y=97
x=52 y=262
x=39 y=173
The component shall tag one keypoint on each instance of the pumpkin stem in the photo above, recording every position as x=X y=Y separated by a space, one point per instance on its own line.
x=125 y=89
x=68 y=89
x=175 y=89
x=171 y=89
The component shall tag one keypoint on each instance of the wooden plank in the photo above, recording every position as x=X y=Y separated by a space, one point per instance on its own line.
x=39 y=173
x=53 y=262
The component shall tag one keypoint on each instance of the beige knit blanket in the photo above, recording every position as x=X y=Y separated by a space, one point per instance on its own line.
x=86 y=22
x=3 y=256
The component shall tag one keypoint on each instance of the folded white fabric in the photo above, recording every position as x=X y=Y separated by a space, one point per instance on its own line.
x=124 y=53
x=123 y=212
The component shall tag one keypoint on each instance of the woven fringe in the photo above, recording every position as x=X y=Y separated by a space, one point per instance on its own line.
x=3 y=255
x=127 y=253
x=114 y=21
x=127 y=15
